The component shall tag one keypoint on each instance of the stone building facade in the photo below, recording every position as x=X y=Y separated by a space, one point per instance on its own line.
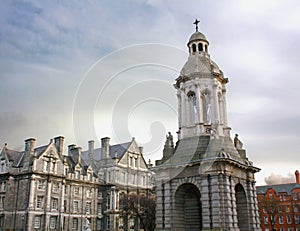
x=43 y=188
x=205 y=181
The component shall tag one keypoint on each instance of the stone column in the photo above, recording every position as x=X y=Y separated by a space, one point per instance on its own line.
x=253 y=209
x=227 y=199
x=168 y=205
x=31 y=195
x=215 y=202
x=206 y=202
x=233 y=202
x=179 y=108
x=159 y=206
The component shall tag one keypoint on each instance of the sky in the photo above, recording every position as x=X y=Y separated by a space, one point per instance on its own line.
x=90 y=69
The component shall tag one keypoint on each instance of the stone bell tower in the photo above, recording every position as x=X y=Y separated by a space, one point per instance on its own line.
x=206 y=181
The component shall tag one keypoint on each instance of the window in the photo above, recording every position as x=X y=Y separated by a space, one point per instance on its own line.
x=2 y=199
x=65 y=171
x=75 y=223
x=89 y=192
x=108 y=222
x=136 y=162
x=282 y=197
x=200 y=47
x=47 y=166
x=266 y=221
x=271 y=196
x=40 y=185
x=54 y=203
x=280 y=219
x=287 y=208
x=99 y=208
x=288 y=219
x=295 y=208
x=37 y=222
x=3 y=186
x=65 y=205
x=108 y=201
x=55 y=186
x=53 y=167
x=265 y=210
x=53 y=222
x=294 y=196
x=90 y=176
x=290 y=229
x=296 y=219
x=39 y=202
x=75 y=206
x=88 y=207
x=99 y=193
x=98 y=224
x=281 y=229
x=77 y=175
x=121 y=223
x=66 y=189
x=76 y=190
x=280 y=209
x=194 y=47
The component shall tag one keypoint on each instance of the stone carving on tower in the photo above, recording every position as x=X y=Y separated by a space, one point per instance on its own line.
x=206 y=181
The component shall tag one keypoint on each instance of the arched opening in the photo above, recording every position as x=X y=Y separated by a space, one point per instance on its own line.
x=194 y=47
x=188 y=210
x=200 y=47
x=241 y=207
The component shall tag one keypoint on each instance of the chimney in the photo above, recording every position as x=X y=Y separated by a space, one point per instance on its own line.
x=91 y=149
x=297 y=177
x=105 y=147
x=59 y=144
x=70 y=148
x=29 y=145
x=78 y=153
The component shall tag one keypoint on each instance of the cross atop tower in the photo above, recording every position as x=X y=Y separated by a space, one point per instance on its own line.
x=196 y=23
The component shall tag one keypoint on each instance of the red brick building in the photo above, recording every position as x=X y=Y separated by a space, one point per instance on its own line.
x=279 y=206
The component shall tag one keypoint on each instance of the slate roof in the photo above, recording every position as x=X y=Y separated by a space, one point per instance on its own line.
x=39 y=150
x=119 y=148
x=279 y=188
x=14 y=156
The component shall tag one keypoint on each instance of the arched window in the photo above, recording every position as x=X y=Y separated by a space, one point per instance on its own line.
x=200 y=47
x=194 y=47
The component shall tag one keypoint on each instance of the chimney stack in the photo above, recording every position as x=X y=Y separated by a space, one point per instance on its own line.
x=59 y=144
x=105 y=147
x=29 y=145
x=297 y=177
x=91 y=149
x=141 y=149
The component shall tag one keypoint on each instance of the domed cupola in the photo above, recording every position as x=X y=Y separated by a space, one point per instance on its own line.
x=197 y=42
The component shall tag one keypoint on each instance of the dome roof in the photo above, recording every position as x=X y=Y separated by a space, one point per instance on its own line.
x=197 y=36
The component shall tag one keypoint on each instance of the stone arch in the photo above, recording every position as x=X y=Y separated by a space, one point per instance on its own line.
x=241 y=207
x=188 y=209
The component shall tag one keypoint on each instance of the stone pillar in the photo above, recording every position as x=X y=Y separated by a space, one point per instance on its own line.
x=233 y=202
x=168 y=199
x=31 y=195
x=48 y=196
x=215 y=202
x=252 y=209
x=205 y=202
x=179 y=108
x=227 y=199
x=159 y=206
x=215 y=110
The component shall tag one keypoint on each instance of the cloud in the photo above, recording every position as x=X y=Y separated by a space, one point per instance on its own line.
x=279 y=179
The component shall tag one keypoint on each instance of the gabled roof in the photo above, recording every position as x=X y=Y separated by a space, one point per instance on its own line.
x=120 y=149
x=279 y=188
x=14 y=156
x=39 y=150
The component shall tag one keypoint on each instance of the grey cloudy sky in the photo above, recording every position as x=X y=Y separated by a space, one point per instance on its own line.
x=58 y=59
